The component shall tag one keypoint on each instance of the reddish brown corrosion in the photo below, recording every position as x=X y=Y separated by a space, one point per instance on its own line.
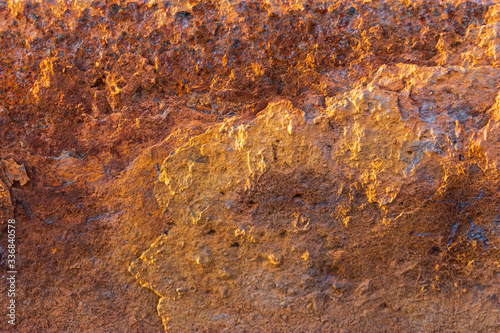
x=95 y=95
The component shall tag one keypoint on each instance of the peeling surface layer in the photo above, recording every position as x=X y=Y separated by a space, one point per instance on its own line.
x=251 y=166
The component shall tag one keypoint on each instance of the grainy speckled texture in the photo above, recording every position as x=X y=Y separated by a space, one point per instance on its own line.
x=196 y=119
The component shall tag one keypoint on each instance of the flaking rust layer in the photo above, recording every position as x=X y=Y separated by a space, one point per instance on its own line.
x=382 y=206
x=298 y=166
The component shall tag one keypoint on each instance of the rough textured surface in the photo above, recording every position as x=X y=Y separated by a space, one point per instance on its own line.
x=10 y=172
x=299 y=166
x=296 y=220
